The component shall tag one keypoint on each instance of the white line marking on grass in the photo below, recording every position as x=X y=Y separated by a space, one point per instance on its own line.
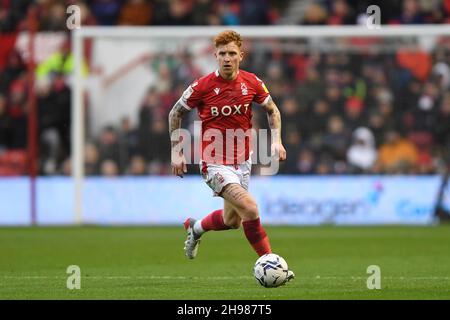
x=215 y=277
x=386 y=278
x=131 y=277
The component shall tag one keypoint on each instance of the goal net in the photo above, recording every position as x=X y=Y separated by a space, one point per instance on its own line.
x=352 y=74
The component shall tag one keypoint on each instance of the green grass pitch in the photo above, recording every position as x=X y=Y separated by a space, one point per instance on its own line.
x=149 y=263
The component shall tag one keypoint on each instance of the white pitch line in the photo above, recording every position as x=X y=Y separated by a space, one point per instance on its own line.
x=128 y=277
x=386 y=278
x=217 y=277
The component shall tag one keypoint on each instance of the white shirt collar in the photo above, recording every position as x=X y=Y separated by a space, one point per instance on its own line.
x=217 y=72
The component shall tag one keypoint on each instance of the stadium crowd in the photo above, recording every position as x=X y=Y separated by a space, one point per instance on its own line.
x=342 y=113
x=52 y=15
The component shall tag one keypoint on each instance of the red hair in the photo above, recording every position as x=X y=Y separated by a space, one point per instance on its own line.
x=227 y=36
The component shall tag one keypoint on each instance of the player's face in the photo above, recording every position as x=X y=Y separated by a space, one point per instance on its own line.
x=229 y=56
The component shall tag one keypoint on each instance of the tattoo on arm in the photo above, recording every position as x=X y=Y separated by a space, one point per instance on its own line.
x=175 y=116
x=274 y=117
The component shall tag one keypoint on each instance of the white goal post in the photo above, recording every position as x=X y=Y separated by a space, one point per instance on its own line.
x=148 y=33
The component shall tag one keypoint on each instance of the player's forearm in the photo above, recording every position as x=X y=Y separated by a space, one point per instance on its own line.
x=175 y=117
x=274 y=119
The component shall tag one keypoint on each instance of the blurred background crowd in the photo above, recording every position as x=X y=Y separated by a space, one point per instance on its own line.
x=52 y=13
x=342 y=112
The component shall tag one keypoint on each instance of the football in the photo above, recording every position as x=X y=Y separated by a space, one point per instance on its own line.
x=271 y=270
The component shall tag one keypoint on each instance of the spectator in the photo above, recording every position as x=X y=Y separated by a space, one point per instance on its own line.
x=441 y=130
x=354 y=113
x=254 y=12
x=128 y=141
x=386 y=111
x=293 y=143
x=18 y=114
x=54 y=116
x=54 y=18
x=423 y=141
x=377 y=125
x=324 y=165
x=106 y=12
x=147 y=114
x=160 y=149
x=66 y=167
x=136 y=12
x=87 y=18
x=315 y=14
x=441 y=71
x=109 y=168
x=5 y=125
x=290 y=110
x=179 y=14
x=15 y=67
x=49 y=151
x=425 y=109
x=109 y=148
x=59 y=63
x=305 y=162
x=416 y=62
x=341 y=13
x=335 y=141
x=7 y=21
x=138 y=166
x=362 y=154
x=229 y=14
x=91 y=159
x=334 y=98
x=311 y=88
x=396 y=155
x=275 y=78
x=202 y=11
x=321 y=114
x=411 y=13
x=185 y=71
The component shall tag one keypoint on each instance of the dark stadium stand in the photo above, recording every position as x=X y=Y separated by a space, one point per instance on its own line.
x=323 y=99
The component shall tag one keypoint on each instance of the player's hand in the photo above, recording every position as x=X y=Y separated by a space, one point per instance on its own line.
x=179 y=165
x=278 y=150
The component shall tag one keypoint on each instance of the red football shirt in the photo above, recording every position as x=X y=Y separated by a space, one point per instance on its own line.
x=225 y=109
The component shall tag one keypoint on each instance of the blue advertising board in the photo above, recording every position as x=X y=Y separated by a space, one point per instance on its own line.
x=311 y=200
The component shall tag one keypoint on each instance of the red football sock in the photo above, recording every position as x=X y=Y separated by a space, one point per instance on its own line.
x=257 y=236
x=214 y=221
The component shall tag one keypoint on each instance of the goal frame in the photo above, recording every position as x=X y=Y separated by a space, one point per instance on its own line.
x=281 y=31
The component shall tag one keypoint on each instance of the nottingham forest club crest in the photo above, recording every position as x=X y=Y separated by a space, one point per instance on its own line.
x=244 y=89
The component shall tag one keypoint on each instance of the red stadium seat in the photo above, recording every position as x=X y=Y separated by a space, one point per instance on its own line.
x=13 y=163
x=422 y=139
